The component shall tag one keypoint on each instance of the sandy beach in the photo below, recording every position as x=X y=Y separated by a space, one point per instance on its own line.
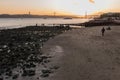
x=59 y=40
x=83 y=54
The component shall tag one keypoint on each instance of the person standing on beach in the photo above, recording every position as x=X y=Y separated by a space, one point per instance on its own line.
x=103 y=31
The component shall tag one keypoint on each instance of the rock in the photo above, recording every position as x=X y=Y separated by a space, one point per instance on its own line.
x=5 y=46
x=45 y=75
x=24 y=73
x=29 y=65
x=46 y=61
x=9 y=73
x=31 y=72
x=1 y=50
x=46 y=71
x=1 y=78
x=32 y=65
x=15 y=76
x=28 y=73
x=54 y=67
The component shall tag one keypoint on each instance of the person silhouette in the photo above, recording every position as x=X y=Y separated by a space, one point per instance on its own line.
x=108 y=28
x=103 y=31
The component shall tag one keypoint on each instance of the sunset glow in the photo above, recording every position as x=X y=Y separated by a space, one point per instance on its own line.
x=61 y=7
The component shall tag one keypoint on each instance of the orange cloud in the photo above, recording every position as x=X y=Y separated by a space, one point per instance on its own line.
x=92 y=1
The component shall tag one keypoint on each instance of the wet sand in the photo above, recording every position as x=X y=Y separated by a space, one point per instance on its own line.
x=83 y=54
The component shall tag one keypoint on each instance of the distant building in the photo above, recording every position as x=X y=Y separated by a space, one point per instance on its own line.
x=29 y=13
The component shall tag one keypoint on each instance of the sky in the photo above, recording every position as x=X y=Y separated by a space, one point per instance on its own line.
x=61 y=7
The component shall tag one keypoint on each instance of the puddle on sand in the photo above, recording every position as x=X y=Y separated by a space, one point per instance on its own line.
x=56 y=51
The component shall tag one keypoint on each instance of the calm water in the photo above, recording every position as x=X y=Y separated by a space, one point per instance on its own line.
x=21 y=22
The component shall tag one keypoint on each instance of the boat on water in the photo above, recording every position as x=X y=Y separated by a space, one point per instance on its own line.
x=67 y=18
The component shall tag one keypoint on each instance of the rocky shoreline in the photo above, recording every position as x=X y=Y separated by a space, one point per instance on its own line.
x=20 y=51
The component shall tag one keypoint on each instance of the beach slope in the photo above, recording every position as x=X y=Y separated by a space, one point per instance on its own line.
x=83 y=54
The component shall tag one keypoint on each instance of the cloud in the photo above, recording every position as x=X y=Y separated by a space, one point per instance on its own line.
x=92 y=1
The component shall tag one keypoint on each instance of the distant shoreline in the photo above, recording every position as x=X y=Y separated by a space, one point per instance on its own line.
x=34 y=16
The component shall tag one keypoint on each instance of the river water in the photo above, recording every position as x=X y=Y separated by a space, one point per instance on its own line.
x=22 y=22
